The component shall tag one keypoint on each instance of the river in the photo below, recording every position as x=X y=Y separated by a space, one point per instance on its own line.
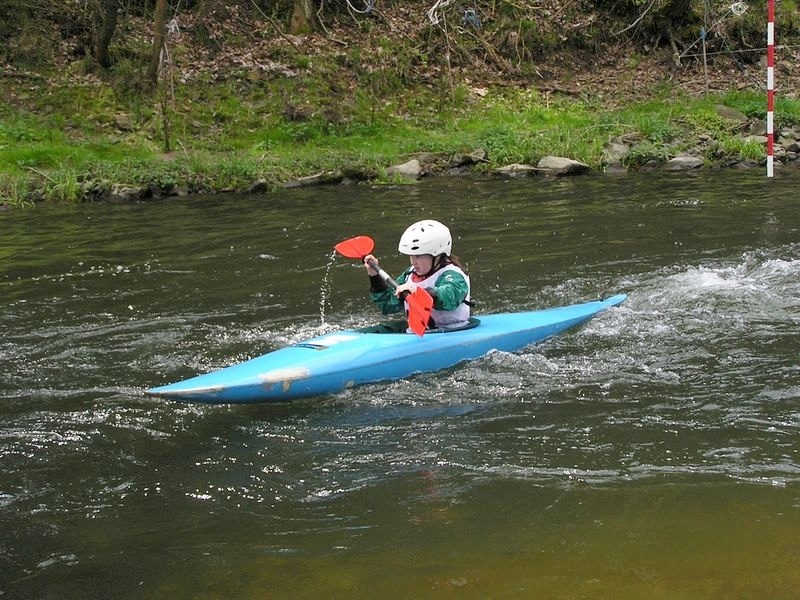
x=650 y=453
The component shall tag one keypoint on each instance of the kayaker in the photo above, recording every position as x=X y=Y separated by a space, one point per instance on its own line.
x=428 y=244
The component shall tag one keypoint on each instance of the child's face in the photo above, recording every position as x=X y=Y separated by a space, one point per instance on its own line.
x=422 y=264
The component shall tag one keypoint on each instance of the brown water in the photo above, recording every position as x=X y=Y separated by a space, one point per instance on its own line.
x=652 y=453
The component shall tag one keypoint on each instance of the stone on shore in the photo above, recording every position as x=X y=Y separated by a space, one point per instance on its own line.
x=684 y=162
x=410 y=169
x=731 y=114
x=125 y=193
x=327 y=178
x=516 y=170
x=558 y=165
x=614 y=153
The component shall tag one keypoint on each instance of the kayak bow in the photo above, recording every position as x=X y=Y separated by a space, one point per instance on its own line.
x=333 y=362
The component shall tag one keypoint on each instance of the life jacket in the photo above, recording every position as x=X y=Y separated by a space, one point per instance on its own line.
x=446 y=319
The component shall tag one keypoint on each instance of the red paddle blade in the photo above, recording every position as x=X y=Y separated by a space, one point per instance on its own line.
x=420 y=304
x=357 y=247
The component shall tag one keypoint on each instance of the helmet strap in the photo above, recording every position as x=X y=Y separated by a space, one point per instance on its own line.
x=439 y=262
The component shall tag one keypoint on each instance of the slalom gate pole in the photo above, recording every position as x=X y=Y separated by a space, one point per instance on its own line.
x=770 y=84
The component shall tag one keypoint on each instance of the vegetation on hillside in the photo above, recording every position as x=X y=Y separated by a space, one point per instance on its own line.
x=257 y=90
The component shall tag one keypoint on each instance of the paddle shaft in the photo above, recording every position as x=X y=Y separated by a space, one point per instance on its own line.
x=390 y=281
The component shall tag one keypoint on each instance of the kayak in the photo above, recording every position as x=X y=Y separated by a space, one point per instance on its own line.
x=337 y=361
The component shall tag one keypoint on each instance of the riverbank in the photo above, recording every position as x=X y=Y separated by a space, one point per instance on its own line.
x=273 y=110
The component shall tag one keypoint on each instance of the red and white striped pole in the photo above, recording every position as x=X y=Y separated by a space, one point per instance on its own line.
x=770 y=84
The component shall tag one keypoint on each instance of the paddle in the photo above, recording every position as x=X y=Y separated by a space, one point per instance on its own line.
x=419 y=301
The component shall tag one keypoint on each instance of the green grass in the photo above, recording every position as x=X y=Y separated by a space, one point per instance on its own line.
x=228 y=135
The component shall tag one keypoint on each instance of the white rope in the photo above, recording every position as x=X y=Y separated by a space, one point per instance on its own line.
x=636 y=22
x=433 y=15
x=737 y=8
x=368 y=6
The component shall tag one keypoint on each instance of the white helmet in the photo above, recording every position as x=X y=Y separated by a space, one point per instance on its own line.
x=426 y=237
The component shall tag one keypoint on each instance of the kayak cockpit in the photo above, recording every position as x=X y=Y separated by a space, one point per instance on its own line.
x=401 y=326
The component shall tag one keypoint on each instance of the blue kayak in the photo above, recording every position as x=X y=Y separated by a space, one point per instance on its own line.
x=337 y=361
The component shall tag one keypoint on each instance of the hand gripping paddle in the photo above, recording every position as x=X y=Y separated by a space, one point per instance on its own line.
x=419 y=301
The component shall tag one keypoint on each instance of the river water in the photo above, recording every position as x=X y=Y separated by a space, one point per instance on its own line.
x=651 y=453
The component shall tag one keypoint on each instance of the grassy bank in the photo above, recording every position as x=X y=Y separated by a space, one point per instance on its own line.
x=274 y=111
x=76 y=142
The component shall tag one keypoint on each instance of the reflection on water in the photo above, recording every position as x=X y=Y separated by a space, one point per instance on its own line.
x=650 y=453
